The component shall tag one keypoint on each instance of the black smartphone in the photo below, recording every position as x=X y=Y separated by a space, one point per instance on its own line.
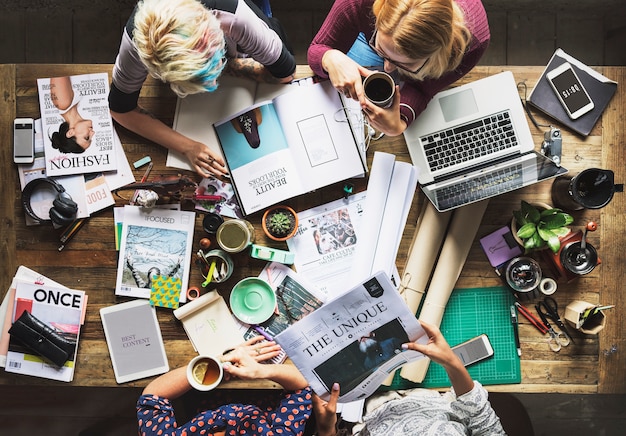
x=570 y=91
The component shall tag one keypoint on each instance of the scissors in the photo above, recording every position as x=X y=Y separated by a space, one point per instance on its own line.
x=549 y=309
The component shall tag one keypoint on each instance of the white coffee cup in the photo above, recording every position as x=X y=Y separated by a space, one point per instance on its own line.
x=379 y=88
x=204 y=373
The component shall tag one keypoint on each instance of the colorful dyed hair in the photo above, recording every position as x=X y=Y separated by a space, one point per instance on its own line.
x=425 y=29
x=181 y=43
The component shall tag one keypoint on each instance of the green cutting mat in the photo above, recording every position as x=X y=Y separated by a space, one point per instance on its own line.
x=469 y=313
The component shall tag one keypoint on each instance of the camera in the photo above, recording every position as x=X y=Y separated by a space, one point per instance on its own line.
x=551 y=146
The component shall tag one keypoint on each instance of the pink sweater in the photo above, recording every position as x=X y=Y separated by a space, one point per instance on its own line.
x=349 y=17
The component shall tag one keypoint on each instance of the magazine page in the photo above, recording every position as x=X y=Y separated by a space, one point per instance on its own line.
x=154 y=242
x=321 y=141
x=259 y=158
x=61 y=309
x=295 y=299
x=354 y=340
x=326 y=242
x=77 y=125
x=196 y=113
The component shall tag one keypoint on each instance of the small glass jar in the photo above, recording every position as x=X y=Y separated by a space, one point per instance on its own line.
x=235 y=235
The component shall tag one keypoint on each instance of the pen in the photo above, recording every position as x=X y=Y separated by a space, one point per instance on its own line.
x=208 y=197
x=516 y=330
x=262 y=332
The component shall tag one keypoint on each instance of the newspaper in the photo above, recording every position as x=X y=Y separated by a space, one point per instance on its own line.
x=354 y=340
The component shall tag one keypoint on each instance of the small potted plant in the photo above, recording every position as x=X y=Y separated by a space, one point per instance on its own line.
x=538 y=226
x=280 y=222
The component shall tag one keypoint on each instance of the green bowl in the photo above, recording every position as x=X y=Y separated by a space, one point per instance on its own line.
x=252 y=300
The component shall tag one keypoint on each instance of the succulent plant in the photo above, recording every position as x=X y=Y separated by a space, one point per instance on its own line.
x=279 y=223
x=540 y=228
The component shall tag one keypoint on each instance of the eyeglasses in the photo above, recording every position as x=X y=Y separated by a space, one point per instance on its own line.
x=372 y=44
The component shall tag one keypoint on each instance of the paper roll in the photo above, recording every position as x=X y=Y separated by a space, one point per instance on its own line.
x=547 y=286
x=456 y=246
x=423 y=252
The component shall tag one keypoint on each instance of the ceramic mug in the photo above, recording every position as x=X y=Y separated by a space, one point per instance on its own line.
x=204 y=373
x=379 y=88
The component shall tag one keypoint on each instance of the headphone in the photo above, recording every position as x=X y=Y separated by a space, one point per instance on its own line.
x=63 y=210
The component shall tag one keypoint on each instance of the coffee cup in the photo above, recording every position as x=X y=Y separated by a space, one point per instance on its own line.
x=379 y=88
x=204 y=373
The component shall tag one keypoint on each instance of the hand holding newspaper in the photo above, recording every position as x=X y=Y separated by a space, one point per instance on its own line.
x=354 y=340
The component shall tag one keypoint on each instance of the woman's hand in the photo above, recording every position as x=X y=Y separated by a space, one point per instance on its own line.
x=326 y=413
x=387 y=120
x=438 y=350
x=345 y=74
x=245 y=361
x=204 y=161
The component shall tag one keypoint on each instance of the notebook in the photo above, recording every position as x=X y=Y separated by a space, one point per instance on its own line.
x=473 y=142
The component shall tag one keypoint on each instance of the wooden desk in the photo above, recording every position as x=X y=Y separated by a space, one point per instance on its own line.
x=90 y=261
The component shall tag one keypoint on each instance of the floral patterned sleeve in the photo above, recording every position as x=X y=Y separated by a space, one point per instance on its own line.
x=155 y=416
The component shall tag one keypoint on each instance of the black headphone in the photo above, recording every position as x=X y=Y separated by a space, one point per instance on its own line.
x=63 y=210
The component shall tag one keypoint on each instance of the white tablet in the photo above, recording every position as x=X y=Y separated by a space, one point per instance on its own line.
x=134 y=339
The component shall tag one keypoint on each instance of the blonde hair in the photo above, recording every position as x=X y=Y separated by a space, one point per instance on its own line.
x=181 y=43
x=425 y=29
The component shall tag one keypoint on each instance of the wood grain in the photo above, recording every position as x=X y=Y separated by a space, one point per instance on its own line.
x=90 y=261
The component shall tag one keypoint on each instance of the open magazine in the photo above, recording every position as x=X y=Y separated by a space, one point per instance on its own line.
x=293 y=144
x=354 y=340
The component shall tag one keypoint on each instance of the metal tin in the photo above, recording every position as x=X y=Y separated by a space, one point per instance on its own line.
x=577 y=259
x=523 y=274
x=235 y=235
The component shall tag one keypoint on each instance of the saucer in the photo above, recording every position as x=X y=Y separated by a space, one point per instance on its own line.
x=252 y=300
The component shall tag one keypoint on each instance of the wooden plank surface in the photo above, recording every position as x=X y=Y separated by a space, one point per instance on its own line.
x=90 y=261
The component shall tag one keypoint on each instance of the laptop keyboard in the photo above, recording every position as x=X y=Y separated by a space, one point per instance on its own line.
x=469 y=141
x=484 y=186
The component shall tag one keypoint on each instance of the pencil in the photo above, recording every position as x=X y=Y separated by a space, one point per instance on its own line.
x=71 y=231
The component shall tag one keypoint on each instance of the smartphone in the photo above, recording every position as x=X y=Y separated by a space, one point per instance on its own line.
x=23 y=140
x=474 y=350
x=570 y=91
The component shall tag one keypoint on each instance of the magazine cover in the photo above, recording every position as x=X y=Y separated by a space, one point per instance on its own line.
x=59 y=308
x=326 y=242
x=154 y=243
x=354 y=340
x=77 y=125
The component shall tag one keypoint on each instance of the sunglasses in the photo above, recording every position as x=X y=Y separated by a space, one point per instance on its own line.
x=372 y=44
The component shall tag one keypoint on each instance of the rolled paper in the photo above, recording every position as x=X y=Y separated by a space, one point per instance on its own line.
x=464 y=225
x=423 y=252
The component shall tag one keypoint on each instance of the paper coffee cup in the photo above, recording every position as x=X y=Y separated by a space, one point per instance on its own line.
x=379 y=88
x=204 y=373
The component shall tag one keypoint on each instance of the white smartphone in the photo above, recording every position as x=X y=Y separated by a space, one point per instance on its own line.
x=23 y=140
x=570 y=91
x=474 y=350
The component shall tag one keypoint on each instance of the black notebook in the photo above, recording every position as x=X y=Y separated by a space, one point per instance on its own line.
x=600 y=89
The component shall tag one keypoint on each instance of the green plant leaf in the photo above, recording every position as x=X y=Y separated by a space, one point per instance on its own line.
x=561 y=231
x=546 y=234
x=537 y=241
x=530 y=212
x=520 y=219
x=554 y=243
x=527 y=230
x=556 y=220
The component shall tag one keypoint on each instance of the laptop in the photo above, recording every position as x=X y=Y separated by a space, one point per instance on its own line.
x=473 y=142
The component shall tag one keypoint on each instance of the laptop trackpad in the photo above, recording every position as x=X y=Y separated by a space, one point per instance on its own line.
x=457 y=105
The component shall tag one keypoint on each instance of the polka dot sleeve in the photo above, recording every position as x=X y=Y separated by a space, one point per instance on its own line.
x=156 y=417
